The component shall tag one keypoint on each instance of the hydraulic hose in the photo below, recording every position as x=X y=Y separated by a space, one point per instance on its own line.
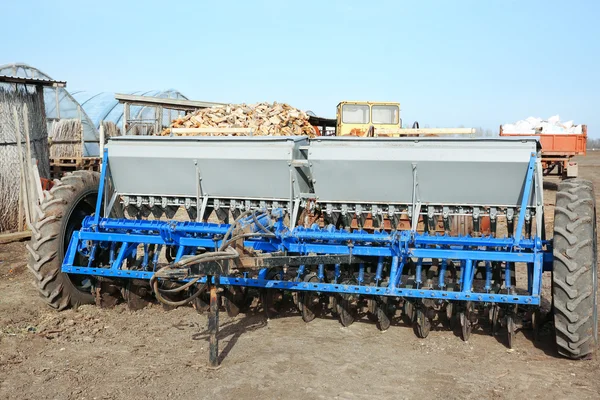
x=223 y=253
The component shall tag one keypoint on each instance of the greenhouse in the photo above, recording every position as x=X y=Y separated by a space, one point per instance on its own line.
x=81 y=114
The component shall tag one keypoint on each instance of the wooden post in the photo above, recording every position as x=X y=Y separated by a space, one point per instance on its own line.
x=37 y=182
x=20 y=210
x=22 y=168
x=101 y=140
x=125 y=118
x=57 y=103
x=82 y=144
x=31 y=197
x=213 y=324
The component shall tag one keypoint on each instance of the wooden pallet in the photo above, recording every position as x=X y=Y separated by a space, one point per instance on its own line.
x=60 y=166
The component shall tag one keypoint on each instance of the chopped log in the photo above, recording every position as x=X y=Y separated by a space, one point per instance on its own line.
x=261 y=119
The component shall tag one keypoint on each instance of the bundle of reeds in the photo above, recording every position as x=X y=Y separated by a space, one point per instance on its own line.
x=12 y=100
x=65 y=139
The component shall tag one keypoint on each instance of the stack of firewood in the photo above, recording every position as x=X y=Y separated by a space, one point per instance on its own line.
x=263 y=119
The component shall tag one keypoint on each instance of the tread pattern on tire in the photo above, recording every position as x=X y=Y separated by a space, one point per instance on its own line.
x=574 y=277
x=44 y=260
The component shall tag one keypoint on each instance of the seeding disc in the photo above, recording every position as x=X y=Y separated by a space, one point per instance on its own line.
x=311 y=302
x=465 y=321
x=423 y=323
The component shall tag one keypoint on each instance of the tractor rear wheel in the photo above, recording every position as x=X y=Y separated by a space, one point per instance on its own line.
x=60 y=214
x=574 y=275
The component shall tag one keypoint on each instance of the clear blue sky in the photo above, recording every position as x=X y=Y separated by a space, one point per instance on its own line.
x=449 y=63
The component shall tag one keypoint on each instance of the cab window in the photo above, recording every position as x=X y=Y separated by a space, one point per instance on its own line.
x=382 y=114
x=355 y=114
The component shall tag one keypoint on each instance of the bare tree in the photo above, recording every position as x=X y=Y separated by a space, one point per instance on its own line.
x=593 y=144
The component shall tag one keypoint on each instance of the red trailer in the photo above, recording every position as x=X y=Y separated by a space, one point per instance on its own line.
x=558 y=149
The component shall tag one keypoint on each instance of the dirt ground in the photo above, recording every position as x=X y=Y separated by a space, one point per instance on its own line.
x=94 y=353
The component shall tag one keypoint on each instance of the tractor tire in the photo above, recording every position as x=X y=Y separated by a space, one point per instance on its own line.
x=574 y=275
x=60 y=213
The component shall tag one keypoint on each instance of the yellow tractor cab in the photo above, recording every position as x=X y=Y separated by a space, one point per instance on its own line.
x=364 y=119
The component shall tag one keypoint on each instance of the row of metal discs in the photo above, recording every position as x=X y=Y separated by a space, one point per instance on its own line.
x=422 y=315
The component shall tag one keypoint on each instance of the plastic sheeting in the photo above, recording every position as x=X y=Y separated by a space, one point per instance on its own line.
x=534 y=125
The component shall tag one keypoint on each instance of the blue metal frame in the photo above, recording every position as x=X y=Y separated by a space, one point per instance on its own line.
x=468 y=253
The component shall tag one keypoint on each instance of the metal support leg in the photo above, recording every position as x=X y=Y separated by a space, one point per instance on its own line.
x=145 y=259
x=467 y=277
x=442 y=274
x=92 y=256
x=536 y=284
x=418 y=273
x=446 y=219
x=155 y=257
x=337 y=273
x=213 y=325
x=461 y=276
x=180 y=253
x=379 y=270
x=507 y=277
x=488 y=276
x=394 y=272
x=300 y=273
x=529 y=277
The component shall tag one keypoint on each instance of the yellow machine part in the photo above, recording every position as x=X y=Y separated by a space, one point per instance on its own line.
x=372 y=119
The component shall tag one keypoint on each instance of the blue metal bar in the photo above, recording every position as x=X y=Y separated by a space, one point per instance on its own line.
x=401 y=264
x=472 y=254
x=142 y=225
x=361 y=273
x=169 y=228
x=339 y=249
x=148 y=239
x=71 y=250
x=488 y=276
x=204 y=228
x=92 y=255
x=442 y=274
x=342 y=235
x=525 y=199
x=507 y=275
x=155 y=258
x=394 y=272
x=180 y=253
x=300 y=271
x=459 y=272
x=321 y=274
x=111 y=257
x=379 y=270
x=133 y=251
x=262 y=274
x=488 y=241
x=419 y=272
x=174 y=232
x=146 y=255
x=337 y=272
x=173 y=227
x=467 y=277
x=536 y=287
x=530 y=267
x=101 y=187
x=120 y=257
x=326 y=287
